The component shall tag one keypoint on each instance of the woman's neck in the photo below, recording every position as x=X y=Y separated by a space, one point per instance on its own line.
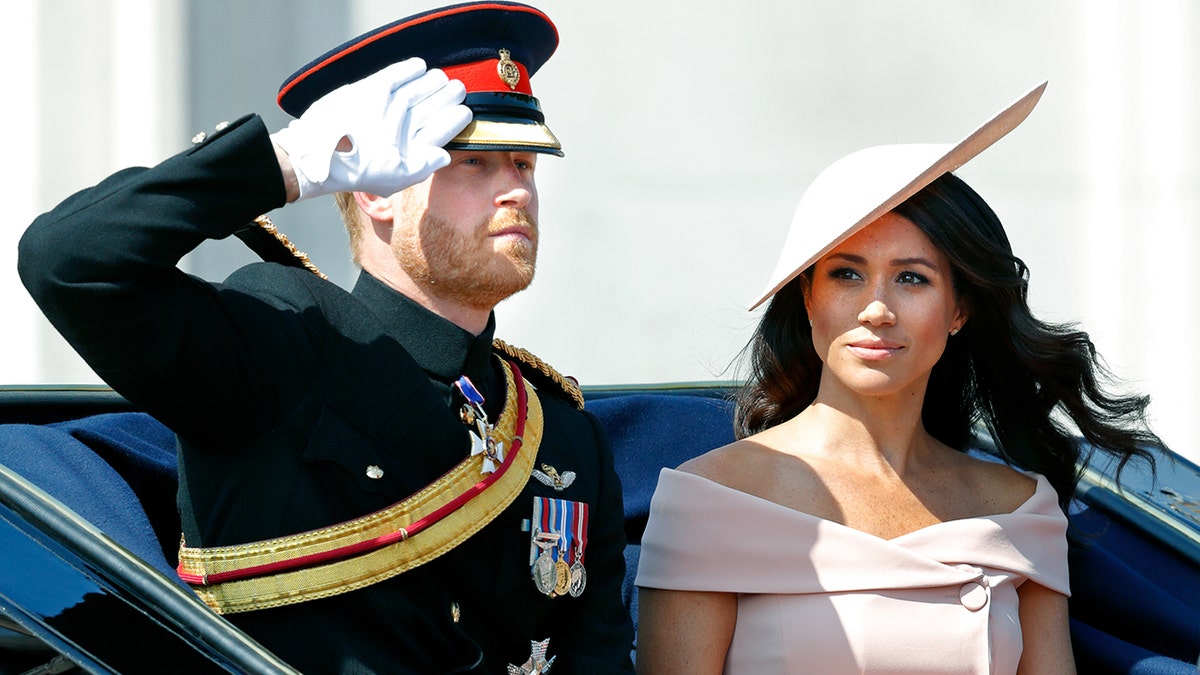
x=869 y=431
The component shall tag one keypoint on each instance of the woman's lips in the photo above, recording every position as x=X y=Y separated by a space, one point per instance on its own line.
x=874 y=350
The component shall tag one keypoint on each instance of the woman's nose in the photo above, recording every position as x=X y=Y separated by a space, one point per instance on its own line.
x=877 y=314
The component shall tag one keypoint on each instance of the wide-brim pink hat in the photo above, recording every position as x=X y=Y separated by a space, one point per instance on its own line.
x=859 y=188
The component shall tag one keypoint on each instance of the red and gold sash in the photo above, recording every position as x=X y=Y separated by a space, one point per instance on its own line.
x=378 y=546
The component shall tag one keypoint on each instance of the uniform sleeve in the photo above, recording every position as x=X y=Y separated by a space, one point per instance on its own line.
x=102 y=266
x=598 y=631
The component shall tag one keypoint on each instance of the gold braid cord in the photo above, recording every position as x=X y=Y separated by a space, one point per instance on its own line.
x=265 y=223
x=567 y=385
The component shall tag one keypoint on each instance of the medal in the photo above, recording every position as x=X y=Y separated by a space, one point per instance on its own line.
x=579 y=534
x=578 y=580
x=562 y=570
x=557 y=546
x=473 y=415
x=545 y=546
x=578 y=573
x=562 y=574
x=545 y=576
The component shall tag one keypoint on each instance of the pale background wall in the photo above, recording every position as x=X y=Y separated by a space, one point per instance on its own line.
x=691 y=128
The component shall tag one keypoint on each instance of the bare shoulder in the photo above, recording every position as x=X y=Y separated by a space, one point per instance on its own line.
x=747 y=465
x=719 y=465
x=1001 y=488
x=1005 y=477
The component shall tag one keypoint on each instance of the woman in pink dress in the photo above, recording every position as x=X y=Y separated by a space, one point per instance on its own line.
x=847 y=530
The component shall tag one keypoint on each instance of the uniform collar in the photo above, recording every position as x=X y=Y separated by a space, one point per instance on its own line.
x=442 y=349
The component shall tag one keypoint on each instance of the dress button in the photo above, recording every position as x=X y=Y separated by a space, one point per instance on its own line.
x=973 y=596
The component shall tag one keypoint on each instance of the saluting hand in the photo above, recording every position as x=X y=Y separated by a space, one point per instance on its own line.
x=380 y=134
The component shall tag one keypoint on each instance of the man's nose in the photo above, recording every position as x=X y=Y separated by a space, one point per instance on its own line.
x=515 y=190
x=516 y=197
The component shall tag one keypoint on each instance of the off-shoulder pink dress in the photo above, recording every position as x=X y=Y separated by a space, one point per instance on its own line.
x=818 y=597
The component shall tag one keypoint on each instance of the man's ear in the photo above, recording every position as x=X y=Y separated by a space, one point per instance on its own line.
x=377 y=208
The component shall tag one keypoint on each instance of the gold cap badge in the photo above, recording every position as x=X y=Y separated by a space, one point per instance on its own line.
x=507 y=70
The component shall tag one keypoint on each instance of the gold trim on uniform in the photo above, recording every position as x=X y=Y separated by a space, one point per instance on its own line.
x=566 y=384
x=491 y=132
x=265 y=223
x=363 y=570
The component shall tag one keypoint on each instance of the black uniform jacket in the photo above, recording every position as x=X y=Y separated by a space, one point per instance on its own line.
x=283 y=388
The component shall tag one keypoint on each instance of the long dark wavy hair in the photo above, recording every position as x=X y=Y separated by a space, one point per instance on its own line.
x=1020 y=378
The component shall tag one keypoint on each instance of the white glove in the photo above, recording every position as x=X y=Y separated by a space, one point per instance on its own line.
x=396 y=122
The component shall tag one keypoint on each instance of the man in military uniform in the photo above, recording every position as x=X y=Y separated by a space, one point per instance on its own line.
x=369 y=482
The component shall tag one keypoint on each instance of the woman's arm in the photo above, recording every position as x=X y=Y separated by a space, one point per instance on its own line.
x=685 y=632
x=1045 y=631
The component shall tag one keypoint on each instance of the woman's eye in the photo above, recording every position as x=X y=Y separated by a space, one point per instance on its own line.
x=911 y=278
x=844 y=273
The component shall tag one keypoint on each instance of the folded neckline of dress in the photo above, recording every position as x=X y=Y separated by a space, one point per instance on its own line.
x=1039 y=494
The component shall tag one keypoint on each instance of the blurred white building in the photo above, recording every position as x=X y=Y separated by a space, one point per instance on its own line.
x=691 y=128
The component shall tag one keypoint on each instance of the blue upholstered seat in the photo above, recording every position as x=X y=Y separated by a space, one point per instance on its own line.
x=1128 y=612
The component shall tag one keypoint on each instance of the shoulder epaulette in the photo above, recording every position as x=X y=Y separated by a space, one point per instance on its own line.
x=542 y=373
x=271 y=245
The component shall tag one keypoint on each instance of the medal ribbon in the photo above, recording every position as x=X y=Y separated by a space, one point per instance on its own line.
x=558 y=520
x=564 y=514
x=563 y=522
x=579 y=530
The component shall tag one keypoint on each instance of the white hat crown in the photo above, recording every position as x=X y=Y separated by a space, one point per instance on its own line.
x=859 y=188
